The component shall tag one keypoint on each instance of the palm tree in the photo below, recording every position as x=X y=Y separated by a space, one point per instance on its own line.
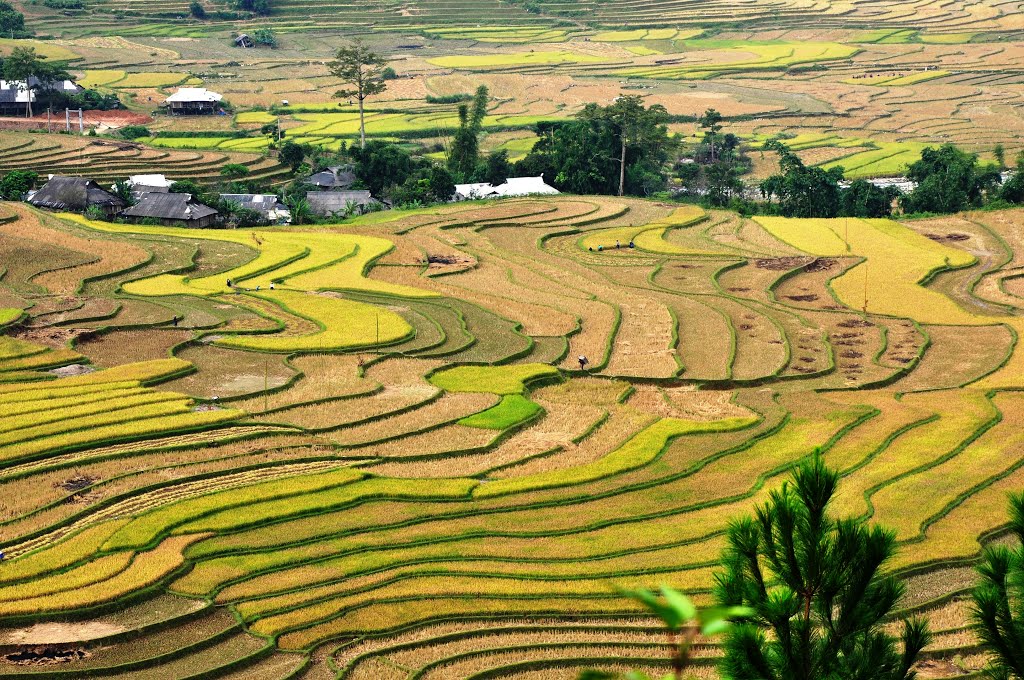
x=999 y=601
x=816 y=585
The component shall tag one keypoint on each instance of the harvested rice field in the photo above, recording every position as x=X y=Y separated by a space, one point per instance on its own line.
x=338 y=491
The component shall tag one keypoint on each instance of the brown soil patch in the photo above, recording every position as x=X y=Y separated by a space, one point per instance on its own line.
x=802 y=298
x=44 y=656
x=782 y=263
x=855 y=323
x=56 y=338
x=822 y=264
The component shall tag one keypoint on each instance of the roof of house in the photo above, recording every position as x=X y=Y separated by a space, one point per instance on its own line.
x=340 y=177
x=150 y=181
x=73 y=193
x=170 y=207
x=513 y=186
x=326 y=202
x=194 y=94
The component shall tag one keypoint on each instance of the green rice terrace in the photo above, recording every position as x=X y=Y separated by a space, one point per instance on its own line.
x=390 y=465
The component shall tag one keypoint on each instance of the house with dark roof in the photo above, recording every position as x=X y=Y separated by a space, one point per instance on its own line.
x=338 y=178
x=15 y=95
x=76 y=194
x=268 y=205
x=340 y=203
x=172 y=210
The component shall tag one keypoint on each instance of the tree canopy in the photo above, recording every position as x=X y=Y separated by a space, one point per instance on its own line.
x=362 y=70
x=949 y=180
x=818 y=590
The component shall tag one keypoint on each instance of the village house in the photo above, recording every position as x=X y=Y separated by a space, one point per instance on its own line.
x=172 y=210
x=513 y=186
x=340 y=203
x=15 y=95
x=193 y=101
x=76 y=194
x=268 y=205
x=337 y=178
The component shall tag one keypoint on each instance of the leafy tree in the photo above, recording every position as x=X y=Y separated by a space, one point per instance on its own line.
x=711 y=123
x=380 y=165
x=496 y=168
x=388 y=73
x=234 y=171
x=864 y=199
x=1012 y=190
x=817 y=589
x=998 y=610
x=264 y=36
x=363 y=71
x=196 y=9
x=134 y=131
x=802 y=191
x=299 y=208
x=16 y=184
x=464 y=153
x=582 y=158
x=261 y=7
x=723 y=182
x=12 y=22
x=23 y=63
x=948 y=180
x=633 y=125
x=292 y=154
x=1000 y=155
x=123 y=190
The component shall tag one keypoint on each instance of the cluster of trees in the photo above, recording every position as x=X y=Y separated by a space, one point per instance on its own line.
x=947 y=180
x=802 y=191
x=261 y=7
x=718 y=163
x=618 y=149
x=805 y=595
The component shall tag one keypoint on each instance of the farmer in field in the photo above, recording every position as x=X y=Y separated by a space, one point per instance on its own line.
x=583 y=362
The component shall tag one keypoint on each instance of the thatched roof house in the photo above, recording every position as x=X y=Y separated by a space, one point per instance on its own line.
x=172 y=210
x=76 y=194
x=340 y=203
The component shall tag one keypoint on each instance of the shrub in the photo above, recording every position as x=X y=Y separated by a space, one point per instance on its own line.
x=134 y=131
x=196 y=9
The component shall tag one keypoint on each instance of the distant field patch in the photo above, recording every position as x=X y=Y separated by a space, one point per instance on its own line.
x=514 y=59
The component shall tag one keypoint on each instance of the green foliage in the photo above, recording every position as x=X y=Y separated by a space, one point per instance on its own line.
x=197 y=10
x=388 y=73
x=234 y=171
x=264 y=36
x=261 y=7
x=123 y=190
x=363 y=71
x=292 y=154
x=449 y=98
x=496 y=169
x=1012 y=190
x=998 y=611
x=464 y=153
x=23 y=63
x=802 y=191
x=16 y=184
x=12 y=22
x=817 y=588
x=949 y=180
x=864 y=199
x=64 y=4
x=606 y=150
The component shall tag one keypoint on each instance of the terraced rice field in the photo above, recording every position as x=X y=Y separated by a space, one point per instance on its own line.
x=384 y=468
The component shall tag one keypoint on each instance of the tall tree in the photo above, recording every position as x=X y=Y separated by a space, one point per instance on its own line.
x=999 y=601
x=802 y=191
x=633 y=124
x=23 y=64
x=818 y=590
x=363 y=71
x=464 y=154
x=711 y=123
